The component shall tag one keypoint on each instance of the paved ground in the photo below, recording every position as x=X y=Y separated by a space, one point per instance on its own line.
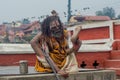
x=14 y=70
x=8 y=70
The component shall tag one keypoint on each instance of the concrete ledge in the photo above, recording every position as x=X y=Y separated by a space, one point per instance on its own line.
x=82 y=75
x=15 y=49
x=27 y=49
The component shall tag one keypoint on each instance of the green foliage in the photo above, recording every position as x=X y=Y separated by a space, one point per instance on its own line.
x=6 y=40
x=25 y=21
x=28 y=38
x=118 y=16
x=99 y=13
x=107 y=11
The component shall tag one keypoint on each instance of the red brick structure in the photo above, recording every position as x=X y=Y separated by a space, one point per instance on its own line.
x=13 y=59
x=100 y=33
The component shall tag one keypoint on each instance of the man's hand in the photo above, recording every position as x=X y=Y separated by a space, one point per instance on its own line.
x=75 y=35
x=75 y=39
x=63 y=73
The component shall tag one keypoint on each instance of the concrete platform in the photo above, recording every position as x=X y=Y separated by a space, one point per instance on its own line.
x=12 y=70
x=12 y=73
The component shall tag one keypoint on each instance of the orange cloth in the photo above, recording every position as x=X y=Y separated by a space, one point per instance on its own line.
x=58 y=54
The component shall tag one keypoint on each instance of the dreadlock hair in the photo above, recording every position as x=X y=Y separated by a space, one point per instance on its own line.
x=46 y=25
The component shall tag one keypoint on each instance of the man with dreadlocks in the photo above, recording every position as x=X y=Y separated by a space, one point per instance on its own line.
x=53 y=38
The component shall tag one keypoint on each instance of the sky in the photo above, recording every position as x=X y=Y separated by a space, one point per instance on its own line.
x=12 y=10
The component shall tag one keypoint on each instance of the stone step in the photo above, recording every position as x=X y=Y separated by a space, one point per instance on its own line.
x=115 y=54
x=83 y=75
x=115 y=63
x=117 y=70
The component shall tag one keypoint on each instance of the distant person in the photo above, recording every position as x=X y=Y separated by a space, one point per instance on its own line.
x=54 y=40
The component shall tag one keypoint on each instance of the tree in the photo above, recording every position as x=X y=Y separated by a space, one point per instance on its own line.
x=99 y=13
x=25 y=21
x=118 y=16
x=107 y=11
